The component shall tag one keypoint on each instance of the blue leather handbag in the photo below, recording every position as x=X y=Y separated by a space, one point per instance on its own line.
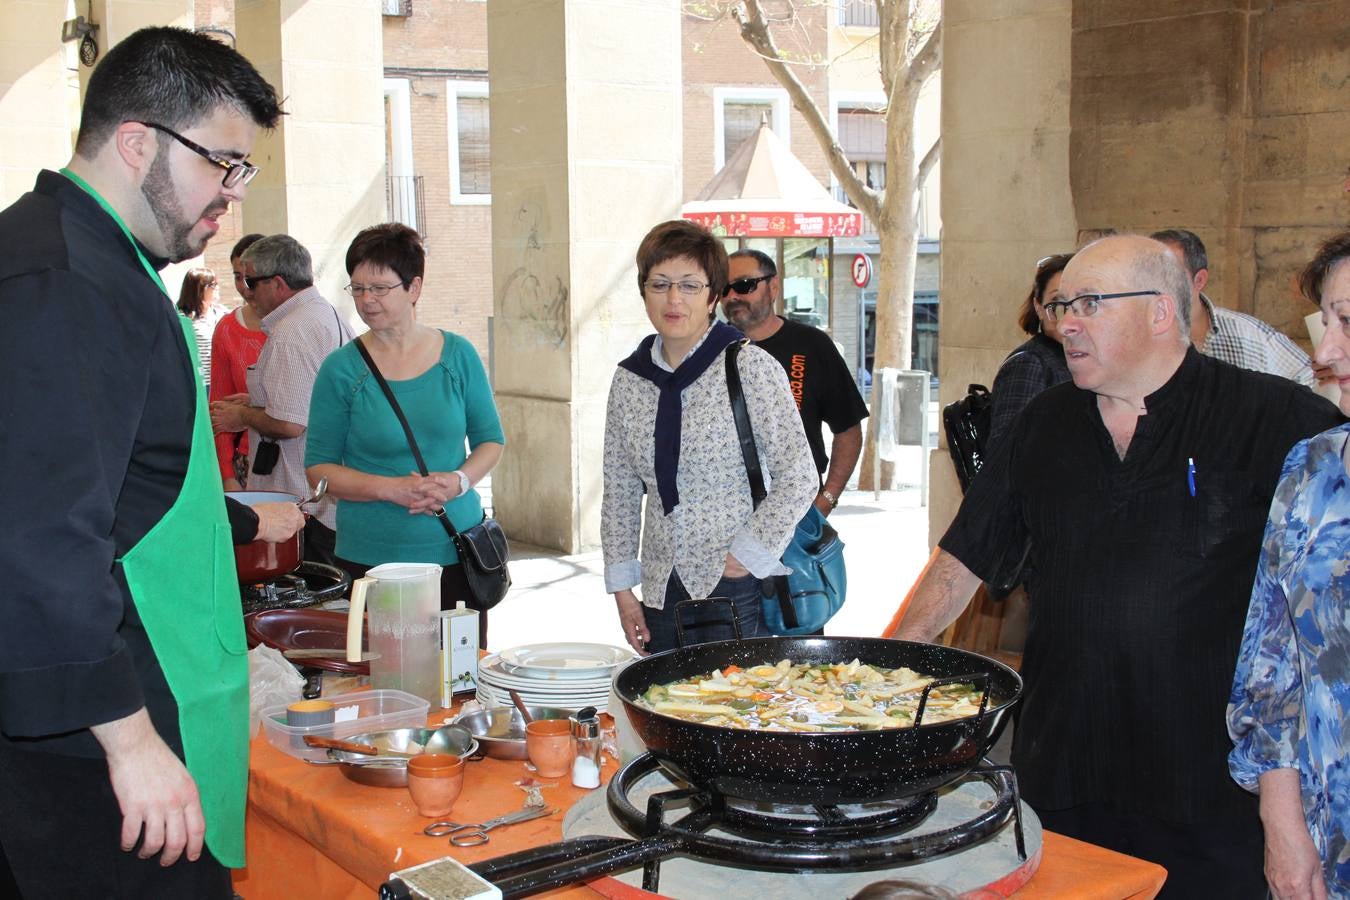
x=802 y=602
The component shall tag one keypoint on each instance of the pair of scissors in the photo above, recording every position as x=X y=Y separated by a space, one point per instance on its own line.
x=474 y=835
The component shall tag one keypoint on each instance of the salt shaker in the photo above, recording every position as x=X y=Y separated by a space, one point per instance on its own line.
x=586 y=734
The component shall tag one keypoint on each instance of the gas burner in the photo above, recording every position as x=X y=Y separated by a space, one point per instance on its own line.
x=681 y=820
x=310 y=584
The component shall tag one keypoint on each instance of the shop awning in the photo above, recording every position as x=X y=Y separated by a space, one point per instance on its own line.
x=765 y=191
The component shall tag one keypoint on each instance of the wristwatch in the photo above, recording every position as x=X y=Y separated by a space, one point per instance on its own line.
x=829 y=498
x=463 y=482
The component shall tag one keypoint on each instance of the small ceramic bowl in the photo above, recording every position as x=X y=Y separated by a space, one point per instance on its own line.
x=549 y=744
x=435 y=781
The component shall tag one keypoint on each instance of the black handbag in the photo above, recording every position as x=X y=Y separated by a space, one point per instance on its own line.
x=483 y=550
x=967 y=422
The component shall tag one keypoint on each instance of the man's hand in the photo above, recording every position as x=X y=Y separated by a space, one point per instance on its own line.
x=823 y=505
x=634 y=621
x=1323 y=374
x=157 y=796
x=1293 y=865
x=232 y=484
x=278 y=521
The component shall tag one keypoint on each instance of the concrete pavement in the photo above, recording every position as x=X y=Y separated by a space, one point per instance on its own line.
x=562 y=598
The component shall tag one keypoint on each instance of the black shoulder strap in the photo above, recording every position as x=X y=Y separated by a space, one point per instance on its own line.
x=743 y=430
x=407 y=429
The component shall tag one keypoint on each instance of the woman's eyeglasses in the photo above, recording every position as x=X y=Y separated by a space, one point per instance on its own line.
x=659 y=287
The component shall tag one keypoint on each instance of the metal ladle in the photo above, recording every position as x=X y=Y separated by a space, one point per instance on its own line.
x=319 y=490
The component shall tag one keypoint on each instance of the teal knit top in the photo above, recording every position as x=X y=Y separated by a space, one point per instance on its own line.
x=451 y=411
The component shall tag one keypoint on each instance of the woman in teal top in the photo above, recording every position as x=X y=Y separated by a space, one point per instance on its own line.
x=385 y=509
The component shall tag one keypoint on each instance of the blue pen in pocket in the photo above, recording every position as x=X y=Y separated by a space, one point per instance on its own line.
x=1190 y=475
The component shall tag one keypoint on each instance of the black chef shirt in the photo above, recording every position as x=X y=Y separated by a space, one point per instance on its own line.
x=1138 y=590
x=96 y=417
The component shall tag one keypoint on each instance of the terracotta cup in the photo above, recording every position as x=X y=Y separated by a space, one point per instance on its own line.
x=435 y=780
x=549 y=745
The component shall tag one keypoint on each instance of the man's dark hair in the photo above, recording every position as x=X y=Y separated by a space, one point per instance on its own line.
x=1334 y=250
x=1192 y=248
x=762 y=259
x=1046 y=269
x=391 y=246
x=681 y=237
x=175 y=78
x=243 y=244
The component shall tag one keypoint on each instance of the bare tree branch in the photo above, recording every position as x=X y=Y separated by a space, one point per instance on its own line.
x=929 y=160
x=927 y=60
x=755 y=32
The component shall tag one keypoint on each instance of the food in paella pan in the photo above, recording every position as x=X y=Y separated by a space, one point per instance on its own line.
x=818 y=697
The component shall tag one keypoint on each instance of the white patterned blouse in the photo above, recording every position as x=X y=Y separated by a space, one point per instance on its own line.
x=715 y=514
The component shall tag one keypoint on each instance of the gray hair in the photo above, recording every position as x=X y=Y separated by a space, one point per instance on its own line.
x=1161 y=270
x=281 y=254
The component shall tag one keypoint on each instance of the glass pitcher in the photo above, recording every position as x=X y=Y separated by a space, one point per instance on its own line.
x=403 y=601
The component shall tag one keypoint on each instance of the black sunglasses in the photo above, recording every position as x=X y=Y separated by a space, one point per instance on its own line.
x=253 y=280
x=744 y=285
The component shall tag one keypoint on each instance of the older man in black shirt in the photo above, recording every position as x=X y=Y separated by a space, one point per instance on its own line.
x=1143 y=488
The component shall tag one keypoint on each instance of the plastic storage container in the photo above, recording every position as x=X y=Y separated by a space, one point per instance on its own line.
x=355 y=713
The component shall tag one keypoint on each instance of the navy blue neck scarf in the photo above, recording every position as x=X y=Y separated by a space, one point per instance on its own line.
x=669 y=408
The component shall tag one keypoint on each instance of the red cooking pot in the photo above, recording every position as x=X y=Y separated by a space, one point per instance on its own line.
x=260 y=561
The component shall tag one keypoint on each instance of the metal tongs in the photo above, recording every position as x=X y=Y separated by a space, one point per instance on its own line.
x=475 y=835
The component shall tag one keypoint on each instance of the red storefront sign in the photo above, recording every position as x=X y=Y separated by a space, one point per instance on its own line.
x=779 y=224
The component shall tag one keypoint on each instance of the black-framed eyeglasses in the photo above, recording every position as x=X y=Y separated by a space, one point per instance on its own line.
x=254 y=280
x=744 y=285
x=236 y=171
x=1085 y=306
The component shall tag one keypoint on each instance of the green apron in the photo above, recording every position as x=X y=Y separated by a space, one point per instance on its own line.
x=182 y=580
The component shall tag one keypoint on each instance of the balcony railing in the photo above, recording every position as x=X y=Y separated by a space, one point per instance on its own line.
x=859 y=13
x=407 y=201
x=396 y=7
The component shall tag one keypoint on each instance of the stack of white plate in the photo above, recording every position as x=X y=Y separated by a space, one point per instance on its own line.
x=565 y=675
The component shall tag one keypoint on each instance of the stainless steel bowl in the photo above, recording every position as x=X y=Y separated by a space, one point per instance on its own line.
x=392 y=771
x=500 y=731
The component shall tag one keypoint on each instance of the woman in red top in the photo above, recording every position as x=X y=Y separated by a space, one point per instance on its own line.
x=237 y=342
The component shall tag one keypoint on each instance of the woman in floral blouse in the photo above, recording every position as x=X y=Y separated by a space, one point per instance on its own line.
x=669 y=434
x=1289 y=715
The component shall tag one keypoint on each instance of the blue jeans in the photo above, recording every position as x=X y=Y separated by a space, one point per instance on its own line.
x=708 y=621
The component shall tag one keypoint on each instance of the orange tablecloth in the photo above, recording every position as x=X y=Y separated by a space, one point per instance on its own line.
x=313 y=833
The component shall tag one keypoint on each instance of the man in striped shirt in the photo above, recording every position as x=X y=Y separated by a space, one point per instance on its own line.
x=1233 y=337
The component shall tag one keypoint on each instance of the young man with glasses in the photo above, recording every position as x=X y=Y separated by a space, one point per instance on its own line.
x=820 y=380
x=1142 y=487
x=123 y=676
x=302 y=328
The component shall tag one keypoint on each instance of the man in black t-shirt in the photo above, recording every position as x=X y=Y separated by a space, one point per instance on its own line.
x=821 y=382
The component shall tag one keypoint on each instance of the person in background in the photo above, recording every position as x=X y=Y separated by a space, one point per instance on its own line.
x=819 y=378
x=123 y=664
x=302 y=328
x=1291 y=692
x=1142 y=487
x=1038 y=363
x=1233 y=337
x=199 y=300
x=670 y=435
x=238 y=340
x=386 y=511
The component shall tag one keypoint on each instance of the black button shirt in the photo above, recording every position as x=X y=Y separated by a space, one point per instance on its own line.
x=1138 y=589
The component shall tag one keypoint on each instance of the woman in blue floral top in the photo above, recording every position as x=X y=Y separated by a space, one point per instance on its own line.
x=1289 y=715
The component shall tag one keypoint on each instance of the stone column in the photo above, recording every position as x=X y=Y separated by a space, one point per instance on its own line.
x=39 y=96
x=322 y=177
x=1005 y=189
x=586 y=157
